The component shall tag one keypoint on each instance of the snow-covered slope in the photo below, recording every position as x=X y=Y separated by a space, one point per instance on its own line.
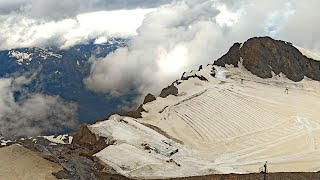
x=229 y=121
x=309 y=54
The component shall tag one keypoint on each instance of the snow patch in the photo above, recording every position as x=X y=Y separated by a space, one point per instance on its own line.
x=309 y=54
x=148 y=154
x=44 y=54
x=61 y=139
x=20 y=56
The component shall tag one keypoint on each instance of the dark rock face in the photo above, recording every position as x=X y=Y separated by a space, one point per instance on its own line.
x=149 y=98
x=264 y=55
x=63 y=174
x=137 y=113
x=83 y=137
x=170 y=90
x=194 y=76
x=231 y=58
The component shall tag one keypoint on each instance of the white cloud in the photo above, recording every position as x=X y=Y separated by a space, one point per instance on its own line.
x=173 y=39
x=57 y=10
x=18 y=31
x=181 y=36
x=32 y=114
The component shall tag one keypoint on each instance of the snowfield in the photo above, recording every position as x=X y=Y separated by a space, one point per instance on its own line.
x=231 y=123
x=309 y=54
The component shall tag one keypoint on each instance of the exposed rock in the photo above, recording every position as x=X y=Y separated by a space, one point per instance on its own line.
x=170 y=90
x=84 y=137
x=194 y=76
x=63 y=174
x=81 y=168
x=231 y=58
x=264 y=55
x=137 y=113
x=149 y=98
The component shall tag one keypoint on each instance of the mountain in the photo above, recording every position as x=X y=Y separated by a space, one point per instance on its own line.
x=257 y=103
x=61 y=73
x=265 y=56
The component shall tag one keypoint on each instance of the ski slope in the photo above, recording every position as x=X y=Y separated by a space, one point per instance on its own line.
x=226 y=125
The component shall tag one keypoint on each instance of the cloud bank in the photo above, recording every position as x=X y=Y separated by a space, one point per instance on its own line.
x=184 y=34
x=21 y=31
x=57 y=10
x=31 y=114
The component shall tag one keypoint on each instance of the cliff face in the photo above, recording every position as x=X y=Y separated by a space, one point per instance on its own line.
x=264 y=55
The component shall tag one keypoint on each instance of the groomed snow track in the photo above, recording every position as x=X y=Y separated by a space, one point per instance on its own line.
x=219 y=115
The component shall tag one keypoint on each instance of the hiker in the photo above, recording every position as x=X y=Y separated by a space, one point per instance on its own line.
x=241 y=81
x=286 y=91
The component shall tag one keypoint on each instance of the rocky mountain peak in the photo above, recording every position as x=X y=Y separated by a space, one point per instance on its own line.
x=264 y=55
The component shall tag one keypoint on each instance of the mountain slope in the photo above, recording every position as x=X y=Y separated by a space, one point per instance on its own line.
x=230 y=119
x=61 y=73
x=262 y=56
x=226 y=117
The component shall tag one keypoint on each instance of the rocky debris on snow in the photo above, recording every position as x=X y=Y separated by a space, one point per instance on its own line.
x=173 y=161
x=173 y=152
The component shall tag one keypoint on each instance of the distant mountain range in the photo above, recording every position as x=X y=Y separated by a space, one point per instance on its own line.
x=61 y=72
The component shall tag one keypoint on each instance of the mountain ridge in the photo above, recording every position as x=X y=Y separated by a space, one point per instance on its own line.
x=281 y=58
x=264 y=55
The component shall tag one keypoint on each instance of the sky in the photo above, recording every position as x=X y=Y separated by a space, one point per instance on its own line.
x=167 y=37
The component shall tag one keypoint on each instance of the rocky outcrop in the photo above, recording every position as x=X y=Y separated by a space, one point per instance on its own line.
x=137 y=113
x=202 y=78
x=170 y=90
x=264 y=55
x=149 y=98
x=83 y=137
x=231 y=58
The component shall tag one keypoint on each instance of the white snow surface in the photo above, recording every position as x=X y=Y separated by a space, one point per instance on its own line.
x=61 y=139
x=226 y=125
x=4 y=142
x=23 y=57
x=44 y=54
x=309 y=54
x=20 y=56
